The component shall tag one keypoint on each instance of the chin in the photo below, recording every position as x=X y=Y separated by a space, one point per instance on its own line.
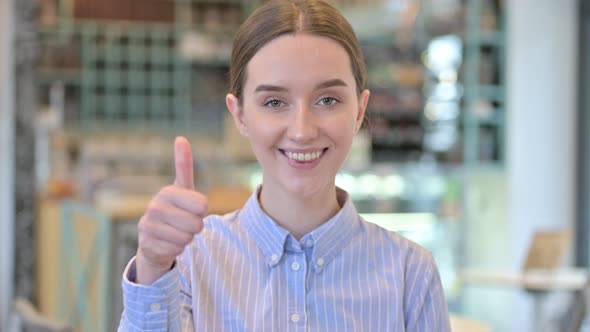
x=306 y=188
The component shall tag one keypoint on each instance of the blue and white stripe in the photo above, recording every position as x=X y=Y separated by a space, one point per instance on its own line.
x=246 y=273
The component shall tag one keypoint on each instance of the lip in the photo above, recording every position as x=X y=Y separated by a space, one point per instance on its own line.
x=308 y=150
x=304 y=164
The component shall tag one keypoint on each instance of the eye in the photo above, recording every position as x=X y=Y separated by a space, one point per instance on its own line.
x=274 y=103
x=328 y=101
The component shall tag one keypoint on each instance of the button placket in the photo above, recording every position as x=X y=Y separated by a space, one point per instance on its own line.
x=295 y=266
x=295 y=271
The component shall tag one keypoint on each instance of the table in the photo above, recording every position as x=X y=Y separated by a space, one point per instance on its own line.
x=461 y=324
x=538 y=282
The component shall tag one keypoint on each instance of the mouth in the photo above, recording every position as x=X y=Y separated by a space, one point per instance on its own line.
x=304 y=157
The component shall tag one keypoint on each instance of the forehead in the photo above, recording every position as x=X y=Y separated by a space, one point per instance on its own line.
x=299 y=59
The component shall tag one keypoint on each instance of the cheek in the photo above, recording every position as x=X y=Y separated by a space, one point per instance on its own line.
x=343 y=130
x=344 y=138
x=262 y=133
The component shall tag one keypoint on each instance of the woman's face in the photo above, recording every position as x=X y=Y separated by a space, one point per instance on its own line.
x=300 y=111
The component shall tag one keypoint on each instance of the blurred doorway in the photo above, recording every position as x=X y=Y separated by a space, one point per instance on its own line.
x=583 y=182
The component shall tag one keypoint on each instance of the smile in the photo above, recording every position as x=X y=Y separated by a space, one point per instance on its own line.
x=304 y=157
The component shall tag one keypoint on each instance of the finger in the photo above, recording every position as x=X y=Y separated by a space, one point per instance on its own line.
x=188 y=200
x=183 y=162
x=165 y=232
x=178 y=218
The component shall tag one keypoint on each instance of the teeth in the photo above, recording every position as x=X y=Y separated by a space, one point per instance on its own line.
x=303 y=156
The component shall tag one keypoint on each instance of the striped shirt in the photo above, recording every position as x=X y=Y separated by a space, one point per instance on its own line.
x=244 y=272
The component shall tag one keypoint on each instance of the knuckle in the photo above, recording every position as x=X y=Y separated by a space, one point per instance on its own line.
x=205 y=206
x=154 y=210
x=187 y=238
x=177 y=251
x=201 y=202
x=199 y=225
x=203 y=198
x=142 y=226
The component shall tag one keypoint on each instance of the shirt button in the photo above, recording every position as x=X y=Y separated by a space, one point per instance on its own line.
x=295 y=266
x=309 y=243
x=295 y=318
x=155 y=306
x=274 y=257
x=320 y=262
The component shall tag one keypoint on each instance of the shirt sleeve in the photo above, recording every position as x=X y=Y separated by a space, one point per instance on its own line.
x=426 y=308
x=164 y=305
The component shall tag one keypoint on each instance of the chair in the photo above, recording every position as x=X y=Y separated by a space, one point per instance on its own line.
x=547 y=250
x=577 y=312
x=85 y=262
x=541 y=274
x=29 y=319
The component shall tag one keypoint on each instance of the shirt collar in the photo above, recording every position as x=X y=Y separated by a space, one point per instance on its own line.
x=267 y=234
x=326 y=241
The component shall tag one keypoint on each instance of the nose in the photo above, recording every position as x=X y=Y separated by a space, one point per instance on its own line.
x=303 y=126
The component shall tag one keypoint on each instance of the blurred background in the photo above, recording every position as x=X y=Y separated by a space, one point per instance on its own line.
x=477 y=146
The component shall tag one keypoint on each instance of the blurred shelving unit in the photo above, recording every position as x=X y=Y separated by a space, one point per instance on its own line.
x=396 y=74
x=421 y=105
x=206 y=29
x=484 y=79
x=402 y=84
x=161 y=65
x=152 y=65
x=436 y=71
x=140 y=71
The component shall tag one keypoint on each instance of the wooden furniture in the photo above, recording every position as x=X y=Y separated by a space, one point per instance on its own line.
x=30 y=320
x=532 y=280
x=462 y=324
x=70 y=240
x=73 y=247
x=541 y=273
x=125 y=211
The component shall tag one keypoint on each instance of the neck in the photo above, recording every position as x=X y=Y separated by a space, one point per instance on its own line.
x=299 y=215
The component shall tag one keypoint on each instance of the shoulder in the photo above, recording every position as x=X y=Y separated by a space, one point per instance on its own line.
x=410 y=254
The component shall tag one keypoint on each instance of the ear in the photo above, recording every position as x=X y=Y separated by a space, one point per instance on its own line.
x=360 y=116
x=233 y=105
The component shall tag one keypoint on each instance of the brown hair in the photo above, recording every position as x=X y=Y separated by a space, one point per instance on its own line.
x=279 y=17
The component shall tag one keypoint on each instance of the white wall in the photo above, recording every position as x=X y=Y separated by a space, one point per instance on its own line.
x=542 y=101
x=6 y=164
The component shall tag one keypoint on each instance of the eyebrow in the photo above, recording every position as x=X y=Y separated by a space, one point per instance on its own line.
x=271 y=88
x=323 y=85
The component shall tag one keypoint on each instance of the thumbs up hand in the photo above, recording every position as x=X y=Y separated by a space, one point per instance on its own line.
x=171 y=220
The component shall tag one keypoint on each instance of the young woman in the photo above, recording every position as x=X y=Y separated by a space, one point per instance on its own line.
x=297 y=256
